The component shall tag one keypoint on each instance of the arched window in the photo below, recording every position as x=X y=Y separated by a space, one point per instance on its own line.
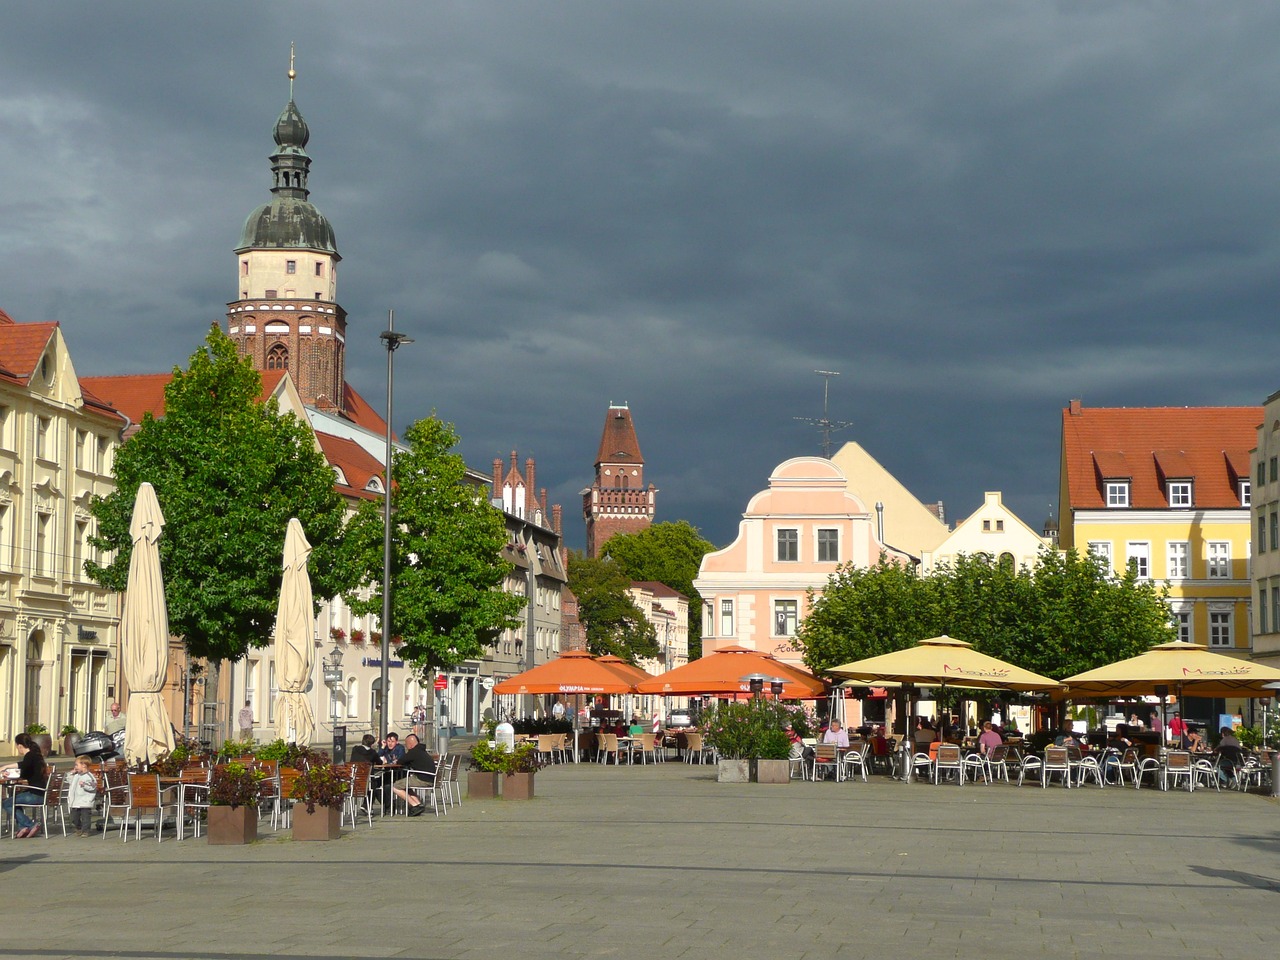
x=278 y=357
x=353 y=698
x=1006 y=562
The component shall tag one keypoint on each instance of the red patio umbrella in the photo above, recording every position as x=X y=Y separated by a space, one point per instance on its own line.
x=721 y=673
x=574 y=671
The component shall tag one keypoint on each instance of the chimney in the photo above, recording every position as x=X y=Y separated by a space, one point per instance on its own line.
x=529 y=468
x=497 y=478
x=555 y=518
x=1074 y=408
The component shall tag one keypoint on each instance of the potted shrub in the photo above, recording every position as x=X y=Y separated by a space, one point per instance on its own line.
x=318 y=794
x=522 y=764
x=488 y=761
x=750 y=737
x=233 y=803
x=40 y=733
x=69 y=733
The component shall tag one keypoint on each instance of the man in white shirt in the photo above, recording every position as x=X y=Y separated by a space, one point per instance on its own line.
x=836 y=734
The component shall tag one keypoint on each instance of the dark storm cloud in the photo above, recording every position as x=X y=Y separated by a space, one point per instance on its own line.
x=974 y=211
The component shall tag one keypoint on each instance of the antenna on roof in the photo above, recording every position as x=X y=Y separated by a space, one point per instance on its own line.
x=826 y=424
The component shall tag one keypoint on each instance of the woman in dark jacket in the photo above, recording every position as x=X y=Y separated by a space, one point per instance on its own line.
x=31 y=770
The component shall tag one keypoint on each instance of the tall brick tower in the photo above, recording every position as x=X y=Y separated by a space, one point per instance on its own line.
x=618 y=501
x=287 y=316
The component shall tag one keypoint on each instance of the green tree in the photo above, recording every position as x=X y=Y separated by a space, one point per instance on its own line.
x=1065 y=615
x=229 y=470
x=447 y=573
x=613 y=622
x=669 y=553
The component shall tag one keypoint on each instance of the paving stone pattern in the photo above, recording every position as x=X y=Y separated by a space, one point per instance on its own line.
x=662 y=862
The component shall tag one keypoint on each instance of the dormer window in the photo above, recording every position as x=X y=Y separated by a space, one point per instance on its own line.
x=339 y=477
x=1246 y=493
x=1117 y=493
x=374 y=485
x=1179 y=493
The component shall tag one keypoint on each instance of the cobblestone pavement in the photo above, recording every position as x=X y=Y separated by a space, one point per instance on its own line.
x=662 y=862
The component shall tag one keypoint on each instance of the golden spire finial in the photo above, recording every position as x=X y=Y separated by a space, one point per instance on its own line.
x=292 y=72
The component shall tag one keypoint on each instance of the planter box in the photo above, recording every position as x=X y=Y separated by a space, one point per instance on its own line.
x=482 y=785
x=517 y=786
x=733 y=771
x=324 y=824
x=233 y=825
x=773 y=771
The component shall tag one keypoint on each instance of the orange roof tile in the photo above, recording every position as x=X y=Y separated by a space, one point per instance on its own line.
x=356 y=464
x=135 y=394
x=360 y=413
x=21 y=346
x=1148 y=445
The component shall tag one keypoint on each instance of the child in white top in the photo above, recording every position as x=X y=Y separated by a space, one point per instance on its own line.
x=82 y=788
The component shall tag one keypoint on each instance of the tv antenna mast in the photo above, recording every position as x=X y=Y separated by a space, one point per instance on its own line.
x=826 y=424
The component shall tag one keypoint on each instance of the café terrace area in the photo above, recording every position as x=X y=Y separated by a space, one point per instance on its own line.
x=661 y=861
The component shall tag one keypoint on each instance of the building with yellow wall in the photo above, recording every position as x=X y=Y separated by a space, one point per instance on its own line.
x=1168 y=490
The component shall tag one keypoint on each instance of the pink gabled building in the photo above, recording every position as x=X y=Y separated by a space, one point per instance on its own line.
x=791 y=539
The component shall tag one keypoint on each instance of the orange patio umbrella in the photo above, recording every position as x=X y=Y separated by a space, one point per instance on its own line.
x=629 y=669
x=721 y=673
x=574 y=671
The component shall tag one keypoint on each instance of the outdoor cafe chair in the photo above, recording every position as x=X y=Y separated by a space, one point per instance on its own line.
x=948 y=758
x=1205 y=773
x=693 y=747
x=359 y=795
x=1177 y=763
x=1122 y=763
x=1055 y=762
x=855 y=761
x=423 y=784
x=115 y=794
x=49 y=798
x=1083 y=767
x=642 y=745
x=606 y=745
x=922 y=766
x=193 y=797
x=145 y=796
x=548 y=746
x=975 y=765
x=826 y=755
x=998 y=762
x=452 y=792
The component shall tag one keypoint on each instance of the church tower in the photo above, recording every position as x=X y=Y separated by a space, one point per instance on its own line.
x=287 y=316
x=618 y=501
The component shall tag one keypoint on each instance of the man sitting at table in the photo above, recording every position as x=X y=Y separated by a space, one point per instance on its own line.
x=988 y=739
x=836 y=734
x=392 y=750
x=363 y=752
x=415 y=759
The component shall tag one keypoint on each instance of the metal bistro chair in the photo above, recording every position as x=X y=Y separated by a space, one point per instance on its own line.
x=948 y=758
x=826 y=755
x=193 y=797
x=855 y=761
x=606 y=745
x=423 y=784
x=50 y=798
x=358 y=795
x=145 y=796
x=1177 y=763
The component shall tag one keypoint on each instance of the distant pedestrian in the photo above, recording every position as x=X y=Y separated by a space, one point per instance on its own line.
x=244 y=720
x=82 y=787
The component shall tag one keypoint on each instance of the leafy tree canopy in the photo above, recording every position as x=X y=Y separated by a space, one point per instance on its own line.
x=229 y=471
x=447 y=601
x=669 y=553
x=613 y=622
x=1065 y=615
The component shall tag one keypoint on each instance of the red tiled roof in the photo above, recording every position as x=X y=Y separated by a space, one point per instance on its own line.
x=1148 y=445
x=21 y=346
x=356 y=463
x=658 y=589
x=134 y=394
x=618 y=443
x=360 y=413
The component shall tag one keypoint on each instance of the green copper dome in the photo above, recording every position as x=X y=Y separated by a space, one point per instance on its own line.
x=289 y=220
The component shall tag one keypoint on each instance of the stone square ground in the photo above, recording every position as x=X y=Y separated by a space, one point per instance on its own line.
x=662 y=862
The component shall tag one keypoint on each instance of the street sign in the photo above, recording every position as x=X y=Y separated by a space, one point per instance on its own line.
x=441 y=681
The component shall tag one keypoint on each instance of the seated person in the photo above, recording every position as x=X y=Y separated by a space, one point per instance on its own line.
x=392 y=750
x=416 y=759
x=1230 y=753
x=364 y=752
x=924 y=735
x=636 y=729
x=1195 y=740
x=988 y=739
x=1066 y=738
x=836 y=734
x=1119 y=738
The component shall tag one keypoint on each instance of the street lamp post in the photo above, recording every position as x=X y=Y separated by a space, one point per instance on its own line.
x=392 y=341
x=331 y=670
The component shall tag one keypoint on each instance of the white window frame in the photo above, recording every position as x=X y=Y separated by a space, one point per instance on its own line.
x=1183 y=622
x=785 y=620
x=1139 y=550
x=1246 y=493
x=1117 y=493
x=833 y=541
x=727 y=625
x=792 y=542
x=1102 y=550
x=1218 y=554
x=1179 y=494
x=1221 y=629
x=1178 y=559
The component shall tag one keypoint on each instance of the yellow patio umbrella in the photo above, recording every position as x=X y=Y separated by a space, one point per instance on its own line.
x=294 y=640
x=1188 y=667
x=943 y=661
x=144 y=636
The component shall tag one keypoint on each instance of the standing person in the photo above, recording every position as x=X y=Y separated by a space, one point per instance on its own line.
x=33 y=773
x=419 y=720
x=244 y=720
x=1178 y=730
x=82 y=787
x=557 y=711
x=1156 y=725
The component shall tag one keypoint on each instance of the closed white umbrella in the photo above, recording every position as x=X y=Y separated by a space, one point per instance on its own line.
x=144 y=636
x=295 y=646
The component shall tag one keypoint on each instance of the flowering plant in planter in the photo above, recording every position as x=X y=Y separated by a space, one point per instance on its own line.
x=171 y=763
x=357 y=636
x=320 y=786
x=235 y=785
x=498 y=759
x=337 y=633
x=749 y=730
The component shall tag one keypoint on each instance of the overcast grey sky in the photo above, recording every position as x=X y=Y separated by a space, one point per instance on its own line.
x=973 y=211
